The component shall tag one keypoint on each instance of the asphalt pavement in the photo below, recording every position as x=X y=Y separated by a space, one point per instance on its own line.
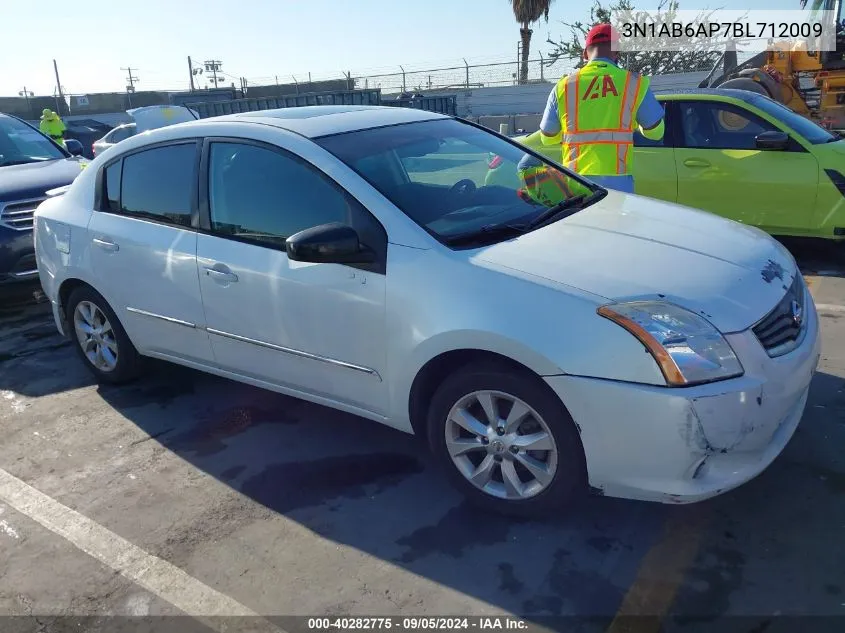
x=186 y=493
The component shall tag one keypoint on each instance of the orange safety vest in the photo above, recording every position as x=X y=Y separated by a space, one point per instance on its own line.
x=545 y=185
x=597 y=105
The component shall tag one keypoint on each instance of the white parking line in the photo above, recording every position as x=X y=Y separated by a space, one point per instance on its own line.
x=167 y=581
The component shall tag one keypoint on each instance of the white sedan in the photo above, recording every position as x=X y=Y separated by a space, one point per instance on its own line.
x=544 y=344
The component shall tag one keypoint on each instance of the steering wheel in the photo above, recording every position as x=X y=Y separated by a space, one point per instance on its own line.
x=463 y=187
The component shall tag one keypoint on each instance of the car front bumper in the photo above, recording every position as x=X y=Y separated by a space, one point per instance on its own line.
x=682 y=445
x=17 y=256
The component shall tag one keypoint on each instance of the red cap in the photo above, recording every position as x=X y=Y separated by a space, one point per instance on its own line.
x=600 y=34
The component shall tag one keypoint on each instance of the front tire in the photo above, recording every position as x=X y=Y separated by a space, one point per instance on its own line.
x=506 y=441
x=100 y=339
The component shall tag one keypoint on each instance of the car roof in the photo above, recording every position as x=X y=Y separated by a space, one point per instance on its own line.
x=707 y=93
x=324 y=120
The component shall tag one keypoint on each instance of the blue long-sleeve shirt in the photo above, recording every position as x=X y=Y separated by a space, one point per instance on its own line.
x=648 y=115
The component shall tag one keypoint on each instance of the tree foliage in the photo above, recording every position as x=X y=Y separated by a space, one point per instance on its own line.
x=698 y=54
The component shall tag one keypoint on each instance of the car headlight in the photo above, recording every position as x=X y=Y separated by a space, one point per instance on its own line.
x=687 y=347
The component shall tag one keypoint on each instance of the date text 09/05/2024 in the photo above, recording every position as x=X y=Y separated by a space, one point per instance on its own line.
x=736 y=30
x=416 y=623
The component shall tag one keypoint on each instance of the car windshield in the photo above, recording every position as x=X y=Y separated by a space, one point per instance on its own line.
x=21 y=144
x=462 y=184
x=813 y=132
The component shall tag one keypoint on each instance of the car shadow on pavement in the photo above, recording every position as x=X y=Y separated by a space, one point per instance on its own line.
x=369 y=487
x=33 y=356
x=817 y=257
x=364 y=485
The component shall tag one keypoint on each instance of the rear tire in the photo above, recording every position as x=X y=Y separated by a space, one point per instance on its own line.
x=99 y=337
x=527 y=462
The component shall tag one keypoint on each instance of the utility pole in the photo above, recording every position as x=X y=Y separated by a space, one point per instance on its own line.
x=191 y=72
x=59 y=88
x=213 y=66
x=131 y=79
x=26 y=94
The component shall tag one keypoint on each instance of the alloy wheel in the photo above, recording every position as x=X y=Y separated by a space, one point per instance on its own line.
x=501 y=445
x=95 y=336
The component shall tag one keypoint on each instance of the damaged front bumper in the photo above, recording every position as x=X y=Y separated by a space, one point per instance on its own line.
x=682 y=445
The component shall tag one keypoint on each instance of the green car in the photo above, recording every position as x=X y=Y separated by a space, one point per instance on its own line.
x=743 y=156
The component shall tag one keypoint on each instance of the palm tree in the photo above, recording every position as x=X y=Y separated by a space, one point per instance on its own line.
x=526 y=12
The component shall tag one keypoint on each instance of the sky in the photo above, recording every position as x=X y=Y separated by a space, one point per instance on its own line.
x=91 y=40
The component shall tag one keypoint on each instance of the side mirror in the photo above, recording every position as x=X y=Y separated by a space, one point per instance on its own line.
x=73 y=146
x=772 y=139
x=333 y=243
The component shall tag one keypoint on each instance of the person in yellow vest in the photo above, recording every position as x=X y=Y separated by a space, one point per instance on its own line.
x=593 y=113
x=545 y=185
x=53 y=126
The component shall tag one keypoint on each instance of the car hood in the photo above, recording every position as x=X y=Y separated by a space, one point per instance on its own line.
x=629 y=247
x=19 y=182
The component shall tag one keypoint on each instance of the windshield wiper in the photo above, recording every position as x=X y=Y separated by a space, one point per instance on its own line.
x=570 y=205
x=552 y=214
x=489 y=231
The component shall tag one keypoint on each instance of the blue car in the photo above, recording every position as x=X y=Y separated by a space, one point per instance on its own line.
x=30 y=166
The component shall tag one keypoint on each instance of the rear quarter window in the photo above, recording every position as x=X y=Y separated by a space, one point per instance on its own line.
x=111 y=186
x=156 y=184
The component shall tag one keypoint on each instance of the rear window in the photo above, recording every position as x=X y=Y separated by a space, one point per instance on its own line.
x=119 y=134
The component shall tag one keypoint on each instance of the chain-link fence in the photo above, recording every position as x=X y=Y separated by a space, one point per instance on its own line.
x=467 y=76
x=512 y=73
x=450 y=78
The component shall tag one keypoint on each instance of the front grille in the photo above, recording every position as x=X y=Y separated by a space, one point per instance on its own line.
x=780 y=331
x=18 y=215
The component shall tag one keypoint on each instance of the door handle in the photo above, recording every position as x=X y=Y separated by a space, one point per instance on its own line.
x=106 y=245
x=221 y=273
x=696 y=162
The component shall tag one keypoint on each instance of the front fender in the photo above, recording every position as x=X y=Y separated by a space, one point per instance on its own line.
x=438 y=303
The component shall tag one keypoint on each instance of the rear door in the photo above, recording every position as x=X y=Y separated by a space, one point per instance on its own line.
x=143 y=249
x=721 y=170
x=655 y=174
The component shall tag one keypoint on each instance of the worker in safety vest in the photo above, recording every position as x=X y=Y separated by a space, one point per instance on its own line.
x=53 y=126
x=594 y=112
x=545 y=185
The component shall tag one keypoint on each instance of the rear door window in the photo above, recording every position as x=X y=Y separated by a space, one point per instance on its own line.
x=157 y=184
